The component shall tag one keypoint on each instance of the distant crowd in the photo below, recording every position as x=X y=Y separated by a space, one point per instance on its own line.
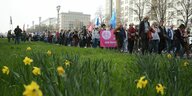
x=144 y=38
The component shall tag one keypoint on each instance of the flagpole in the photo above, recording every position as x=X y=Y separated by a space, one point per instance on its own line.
x=118 y=11
x=11 y=24
x=111 y=7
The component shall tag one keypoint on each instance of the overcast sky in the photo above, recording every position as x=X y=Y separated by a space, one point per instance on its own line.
x=26 y=11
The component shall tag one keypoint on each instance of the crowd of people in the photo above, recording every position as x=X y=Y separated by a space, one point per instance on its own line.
x=157 y=38
x=144 y=38
x=19 y=35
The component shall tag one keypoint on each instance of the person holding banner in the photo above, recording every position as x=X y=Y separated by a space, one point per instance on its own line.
x=107 y=38
x=120 y=36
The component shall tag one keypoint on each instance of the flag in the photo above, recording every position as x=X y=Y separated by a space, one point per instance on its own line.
x=97 y=22
x=11 y=20
x=90 y=28
x=113 y=20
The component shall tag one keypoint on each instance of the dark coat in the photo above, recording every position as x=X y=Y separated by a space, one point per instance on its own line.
x=178 y=38
x=17 y=31
x=162 y=34
x=142 y=29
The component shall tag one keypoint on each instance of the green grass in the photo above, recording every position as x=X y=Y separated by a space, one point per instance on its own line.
x=92 y=72
x=8 y=49
x=12 y=56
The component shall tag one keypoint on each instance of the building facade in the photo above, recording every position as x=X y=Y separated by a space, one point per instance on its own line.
x=125 y=10
x=50 y=21
x=110 y=6
x=73 y=20
x=129 y=10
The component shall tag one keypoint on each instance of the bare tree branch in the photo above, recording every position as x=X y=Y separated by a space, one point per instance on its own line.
x=171 y=16
x=159 y=8
x=139 y=9
x=186 y=10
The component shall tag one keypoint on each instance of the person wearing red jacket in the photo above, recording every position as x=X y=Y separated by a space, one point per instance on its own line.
x=131 y=37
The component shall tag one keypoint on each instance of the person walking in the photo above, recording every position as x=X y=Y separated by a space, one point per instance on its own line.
x=163 y=37
x=143 y=29
x=125 y=43
x=179 y=40
x=95 y=37
x=155 y=39
x=131 y=37
x=170 y=33
x=120 y=36
x=83 y=37
x=24 y=36
x=17 y=34
x=9 y=36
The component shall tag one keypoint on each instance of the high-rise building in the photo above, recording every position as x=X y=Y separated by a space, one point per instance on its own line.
x=125 y=10
x=109 y=6
x=108 y=9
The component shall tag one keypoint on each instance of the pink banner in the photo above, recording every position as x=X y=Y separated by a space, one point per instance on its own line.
x=107 y=39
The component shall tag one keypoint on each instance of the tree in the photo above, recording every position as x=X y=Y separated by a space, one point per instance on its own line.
x=185 y=10
x=158 y=9
x=41 y=28
x=139 y=9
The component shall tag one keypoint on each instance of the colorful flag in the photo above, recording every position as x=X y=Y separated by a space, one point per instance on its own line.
x=97 y=22
x=113 y=20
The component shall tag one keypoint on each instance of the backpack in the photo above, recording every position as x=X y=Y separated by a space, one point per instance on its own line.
x=149 y=33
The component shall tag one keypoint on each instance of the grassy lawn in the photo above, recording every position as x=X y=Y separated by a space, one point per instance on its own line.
x=74 y=71
x=10 y=49
x=12 y=55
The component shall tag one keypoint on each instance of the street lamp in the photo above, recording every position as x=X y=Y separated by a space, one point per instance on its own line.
x=58 y=9
x=40 y=24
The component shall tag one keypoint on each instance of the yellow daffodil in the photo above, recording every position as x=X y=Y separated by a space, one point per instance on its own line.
x=49 y=53
x=67 y=62
x=36 y=71
x=60 y=70
x=186 y=63
x=28 y=49
x=27 y=61
x=142 y=83
x=160 y=89
x=169 y=56
x=32 y=90
x=5 y=70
